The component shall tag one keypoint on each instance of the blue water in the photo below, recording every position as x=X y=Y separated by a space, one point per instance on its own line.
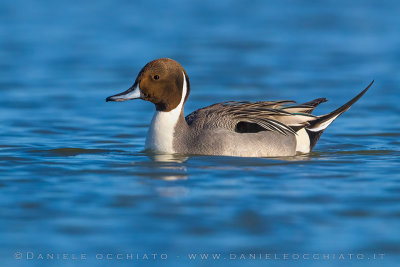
x=74 y=179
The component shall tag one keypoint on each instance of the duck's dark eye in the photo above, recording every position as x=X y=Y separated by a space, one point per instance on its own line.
x=156 y=77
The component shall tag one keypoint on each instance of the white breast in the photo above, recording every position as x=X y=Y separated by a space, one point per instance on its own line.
x=161 y=132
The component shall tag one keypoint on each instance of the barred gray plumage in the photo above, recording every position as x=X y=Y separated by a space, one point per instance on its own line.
x=279 y=116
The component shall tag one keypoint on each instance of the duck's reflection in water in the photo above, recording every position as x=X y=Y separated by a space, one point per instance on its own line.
x=173 y=158
x=173 y=168
x=170 y=166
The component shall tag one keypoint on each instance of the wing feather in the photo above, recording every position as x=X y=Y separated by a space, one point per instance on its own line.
x=279 y=116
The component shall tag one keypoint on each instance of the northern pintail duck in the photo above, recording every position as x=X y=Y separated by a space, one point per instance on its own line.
x=246 y=129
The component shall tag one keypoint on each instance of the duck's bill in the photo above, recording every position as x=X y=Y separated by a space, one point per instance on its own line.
x=131 y=93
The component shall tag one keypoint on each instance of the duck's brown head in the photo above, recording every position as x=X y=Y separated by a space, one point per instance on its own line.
x=161 y=82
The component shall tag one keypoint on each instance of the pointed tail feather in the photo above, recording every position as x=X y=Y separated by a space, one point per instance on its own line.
x=318 y=126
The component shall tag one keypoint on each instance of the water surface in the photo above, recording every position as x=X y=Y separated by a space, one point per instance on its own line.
x=75 y=179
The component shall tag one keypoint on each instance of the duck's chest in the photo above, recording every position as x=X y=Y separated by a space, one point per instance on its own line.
x=160 y=136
